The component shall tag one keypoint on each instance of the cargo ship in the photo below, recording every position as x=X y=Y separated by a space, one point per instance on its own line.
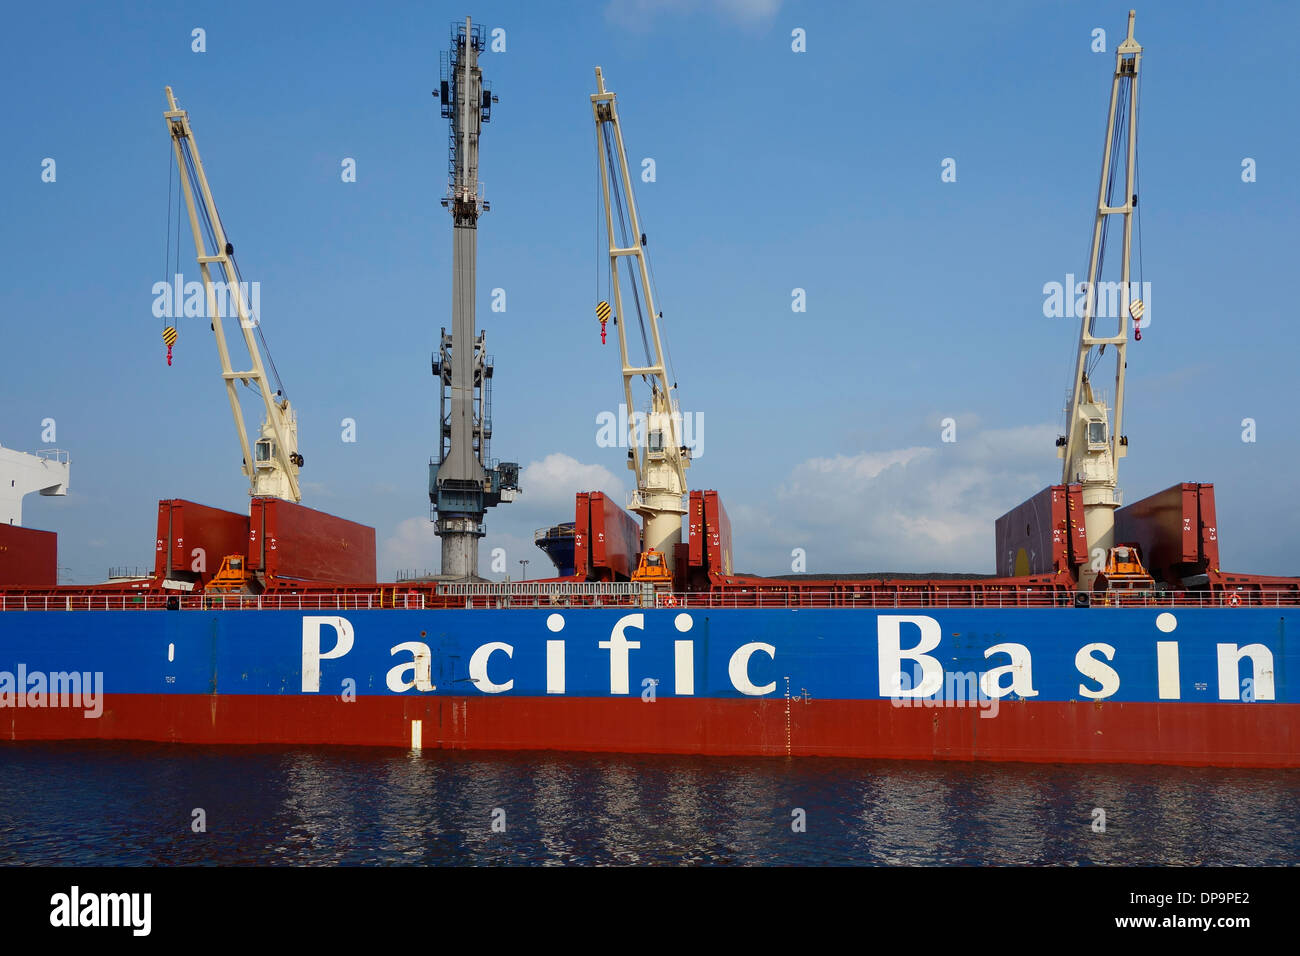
x=1107 y=633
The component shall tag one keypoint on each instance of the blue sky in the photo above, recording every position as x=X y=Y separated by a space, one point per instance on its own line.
x=775 y=170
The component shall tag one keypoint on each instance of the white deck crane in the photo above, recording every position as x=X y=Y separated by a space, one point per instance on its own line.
x=1094 y=441
x=272 y=464
x=656 y=455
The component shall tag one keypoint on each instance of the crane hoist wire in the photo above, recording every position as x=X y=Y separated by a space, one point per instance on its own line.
x=617 y=193
x=168 y=256
x=1137 y=188
x=257 y=325
x=650 y=266
x=167 y=230
x=604 y=262
x=1121 y=123
x=654 y=286
x=210 y=234
x=595 y=135
x=169 y=335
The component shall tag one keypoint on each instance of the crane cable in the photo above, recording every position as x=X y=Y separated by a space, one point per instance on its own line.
x=1121 y=118
x=617 y=194
x=673 y=422
x=654 y=288
x=169 y=334
x=210 y=233
x=180 y=198
x=256 y=320
x=596 y=196
x=167 y=230
x=1137 y=190
x=603 y=239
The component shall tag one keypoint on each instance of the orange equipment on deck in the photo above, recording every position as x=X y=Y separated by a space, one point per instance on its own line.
x=653 y=569
x=233 y=577
x=1124 y=571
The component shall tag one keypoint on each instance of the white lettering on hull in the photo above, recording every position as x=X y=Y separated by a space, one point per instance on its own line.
x=1261 y=676
x=738 y=669
x=891 y=655
x=1170 y=685
x=618 y=646
x=311 y=653
x=478 y=664
x=1086 y=663
x=1097 y=663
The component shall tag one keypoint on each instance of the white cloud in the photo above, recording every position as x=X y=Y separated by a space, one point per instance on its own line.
x=412 y=547
x=553 y=481
x=811 y=476
x=908 y=509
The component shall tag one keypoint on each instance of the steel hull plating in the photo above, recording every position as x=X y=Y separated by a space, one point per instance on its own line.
x=1050 y=732
x=1100 y=685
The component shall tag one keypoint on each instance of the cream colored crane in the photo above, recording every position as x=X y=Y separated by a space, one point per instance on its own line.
x=1094 y=441
x=656 y=456
x=272 y=464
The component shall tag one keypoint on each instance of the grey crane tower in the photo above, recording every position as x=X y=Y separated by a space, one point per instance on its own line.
x=463 y=480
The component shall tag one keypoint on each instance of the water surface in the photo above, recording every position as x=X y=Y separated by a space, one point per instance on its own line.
x=130 y=803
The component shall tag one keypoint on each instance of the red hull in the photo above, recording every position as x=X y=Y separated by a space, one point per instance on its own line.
x=1047 y=732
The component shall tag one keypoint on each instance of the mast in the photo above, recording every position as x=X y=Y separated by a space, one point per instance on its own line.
x=656 y=456
x=273 y=470
x=463 y=480
x=1092 y=446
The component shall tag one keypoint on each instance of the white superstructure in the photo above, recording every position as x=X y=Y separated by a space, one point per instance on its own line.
x=22 y=474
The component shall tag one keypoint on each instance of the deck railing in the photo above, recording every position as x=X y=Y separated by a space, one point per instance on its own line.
x=526 y=595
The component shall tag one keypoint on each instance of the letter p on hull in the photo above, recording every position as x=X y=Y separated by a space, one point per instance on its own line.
x=311 y=652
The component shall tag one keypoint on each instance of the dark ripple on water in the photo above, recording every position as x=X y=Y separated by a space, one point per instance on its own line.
x=103 y=804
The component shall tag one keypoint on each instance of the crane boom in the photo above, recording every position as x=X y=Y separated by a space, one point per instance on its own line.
x=273 y=470
x=656 y=456
x=1092 y=445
